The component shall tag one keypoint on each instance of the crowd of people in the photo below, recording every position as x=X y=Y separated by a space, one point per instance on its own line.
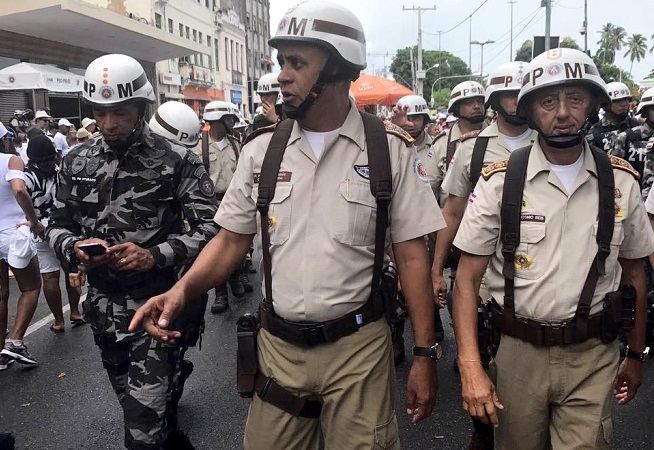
x=533 y=205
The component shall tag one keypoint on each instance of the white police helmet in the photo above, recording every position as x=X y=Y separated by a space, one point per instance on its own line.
x=216 y=110
x=507 y=78
x=417 y=105
x=178 y=122
x=647 y=99
x=463 y=91
x=328 y=25
x=114 y=79
x=562 y=66
x=618 y=91
x=268 y=84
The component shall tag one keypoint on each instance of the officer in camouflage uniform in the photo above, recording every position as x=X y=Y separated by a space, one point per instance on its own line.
x=616 y=118
x=128 y=191
x=632 y=144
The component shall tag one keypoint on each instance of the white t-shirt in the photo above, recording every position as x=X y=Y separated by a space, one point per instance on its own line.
x=60 y=143
x=317 y=140
x=568 y=174
x=513 y=142
x=649 y=203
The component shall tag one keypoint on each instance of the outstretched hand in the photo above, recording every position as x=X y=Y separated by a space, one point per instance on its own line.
x=156 y=315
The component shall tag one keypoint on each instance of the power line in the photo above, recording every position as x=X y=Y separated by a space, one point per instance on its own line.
x=460 y=23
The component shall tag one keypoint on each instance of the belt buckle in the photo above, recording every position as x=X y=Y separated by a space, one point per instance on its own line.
x=314 y=334
x=556 y=328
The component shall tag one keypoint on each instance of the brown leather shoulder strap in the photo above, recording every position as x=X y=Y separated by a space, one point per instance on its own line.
x=477 y=160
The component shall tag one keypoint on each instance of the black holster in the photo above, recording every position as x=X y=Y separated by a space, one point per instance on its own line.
x=611 y=315
x=388 y=292
x=485 y=336
x=247 y=365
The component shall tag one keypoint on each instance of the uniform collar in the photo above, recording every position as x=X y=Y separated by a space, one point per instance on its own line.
x=539 y=163
x=427 y=141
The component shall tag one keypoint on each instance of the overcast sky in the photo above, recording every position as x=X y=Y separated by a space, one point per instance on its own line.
x=388 y=27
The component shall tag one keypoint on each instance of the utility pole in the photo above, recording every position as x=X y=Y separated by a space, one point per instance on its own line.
x=511 y=49
x=470 y=45
x=548 y=21
x=439 y=63
x=586 y=26
x=481 y=44
x=420 y=74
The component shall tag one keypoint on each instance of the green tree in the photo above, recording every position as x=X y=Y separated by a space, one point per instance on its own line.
x=568 y=42
x=612 y=38
x=442 y=97
x=449 y=66
x=611 y=72
x=524 y=52
x=636 y=49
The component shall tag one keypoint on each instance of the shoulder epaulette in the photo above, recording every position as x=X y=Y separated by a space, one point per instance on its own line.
x=469 y=135
x=440 y=135
x=619 y=163
x=497 y=166
x=259 y=132
x=398 y=131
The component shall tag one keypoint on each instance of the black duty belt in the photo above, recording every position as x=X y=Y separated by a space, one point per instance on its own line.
x=138 y=285
x=310 y=334
x=545 y=334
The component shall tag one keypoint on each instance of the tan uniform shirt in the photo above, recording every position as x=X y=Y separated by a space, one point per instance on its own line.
x=430 y=163
x=222 y=162
x=457 y=180
x=322 y=218
x=557 y=236
x=438 y=166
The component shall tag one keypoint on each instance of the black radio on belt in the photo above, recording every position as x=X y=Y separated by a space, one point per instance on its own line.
x=246 y=354
x=628 y=310
x=618 y=312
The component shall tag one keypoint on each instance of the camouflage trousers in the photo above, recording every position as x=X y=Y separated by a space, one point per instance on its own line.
x=143 y=373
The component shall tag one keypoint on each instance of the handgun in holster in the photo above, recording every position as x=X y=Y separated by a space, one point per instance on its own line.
x=388 y=292
x=247 y=327
x=618 y=312
x=485 y=337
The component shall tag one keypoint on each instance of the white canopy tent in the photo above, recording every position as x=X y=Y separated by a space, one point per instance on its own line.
x=39 y=76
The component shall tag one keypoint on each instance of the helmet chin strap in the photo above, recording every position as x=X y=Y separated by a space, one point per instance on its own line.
x=300 y=112
x=122 y=145
x=474 y=119
x=512 y=119
x=564 y=141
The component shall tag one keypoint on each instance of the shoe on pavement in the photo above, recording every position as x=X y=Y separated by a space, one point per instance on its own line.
x=483 y=437
x=238 y=290
x=221 y=303
x=19 y=353
x=5 y=362
x=185 y=371
x=245 y=281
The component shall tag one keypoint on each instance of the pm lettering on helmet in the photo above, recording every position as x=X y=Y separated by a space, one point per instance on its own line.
x=573 y=71
x=125 y=90
x=294 y=28
x=89 y=88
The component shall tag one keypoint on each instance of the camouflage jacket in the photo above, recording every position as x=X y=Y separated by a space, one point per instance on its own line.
x=604 y=133
x=632 y=146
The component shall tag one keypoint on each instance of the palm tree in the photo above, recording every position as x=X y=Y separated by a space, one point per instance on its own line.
x=636 y=49
x=651 y=49
x=612 y=38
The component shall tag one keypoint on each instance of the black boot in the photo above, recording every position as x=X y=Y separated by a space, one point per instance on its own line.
x=483 y=436
x=220 y=304
x=178 y=441
x=249 y=267
x=245 y=281
x=238 y=290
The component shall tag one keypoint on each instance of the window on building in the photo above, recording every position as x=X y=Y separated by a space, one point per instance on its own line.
x=170 y=26
x=206 y=3
x=216 y=54
x=210 y=61
x=181 y=30
x=200 y=38
x=208 y=41
x=195 y=35
x=157 y=20
x=188 y=32
x=227 y=61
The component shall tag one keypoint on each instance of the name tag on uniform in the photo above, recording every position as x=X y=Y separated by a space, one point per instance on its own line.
x=83 y=180
x=532 y=218
x=282 y=175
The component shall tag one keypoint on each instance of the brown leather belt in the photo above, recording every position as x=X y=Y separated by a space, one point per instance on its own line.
x=546 y=334
x=310 y=334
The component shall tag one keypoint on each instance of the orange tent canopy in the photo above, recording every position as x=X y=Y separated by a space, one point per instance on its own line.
x=372 y=90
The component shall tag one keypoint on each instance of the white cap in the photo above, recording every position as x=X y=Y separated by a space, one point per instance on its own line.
x=417 y=105
x=111 y=80
x=451 y=119
x=41 y=115
x=647 y=99
x=21 y=248
x=618 y=91
x=87 y=121
x=465 y=90
x=82 y=133
x=268 y=84
x=217 y=109
x=64 y=123
x=178 y=122
x=506 y=78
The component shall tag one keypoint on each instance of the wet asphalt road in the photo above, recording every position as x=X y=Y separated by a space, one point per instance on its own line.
x=66 y=402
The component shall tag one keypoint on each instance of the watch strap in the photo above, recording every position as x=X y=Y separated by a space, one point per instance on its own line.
x=639 y=356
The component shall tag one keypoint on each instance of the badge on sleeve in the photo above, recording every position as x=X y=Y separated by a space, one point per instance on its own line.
x=419 y=169
x=363 y=171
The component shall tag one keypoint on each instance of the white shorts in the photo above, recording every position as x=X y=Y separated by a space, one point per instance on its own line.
x=48 y=261
x=5 y=240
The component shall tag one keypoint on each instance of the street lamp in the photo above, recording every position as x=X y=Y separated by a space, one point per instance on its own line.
x=481 y=74
x=481 y=69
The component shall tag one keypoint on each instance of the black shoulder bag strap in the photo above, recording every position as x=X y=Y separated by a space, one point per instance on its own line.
x=606 y=222
x=477 y=161
x=205 y=149
x=235 y=143
x=514 y=184
x=267 y=183
x=381 y=187
x=451 y=148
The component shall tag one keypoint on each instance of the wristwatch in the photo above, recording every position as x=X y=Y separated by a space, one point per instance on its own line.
x=638 y=356
x=434 y=352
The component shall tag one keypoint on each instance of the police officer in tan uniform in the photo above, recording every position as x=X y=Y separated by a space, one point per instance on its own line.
x=552 y=377
x=322 y=231
x=504 y=135
x=224 y=151
x=467 y=105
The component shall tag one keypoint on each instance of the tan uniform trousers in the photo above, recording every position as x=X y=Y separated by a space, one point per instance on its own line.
x=355 y=380
x=555 y=398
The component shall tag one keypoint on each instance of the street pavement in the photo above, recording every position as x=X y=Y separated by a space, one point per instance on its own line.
x=66 y=402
